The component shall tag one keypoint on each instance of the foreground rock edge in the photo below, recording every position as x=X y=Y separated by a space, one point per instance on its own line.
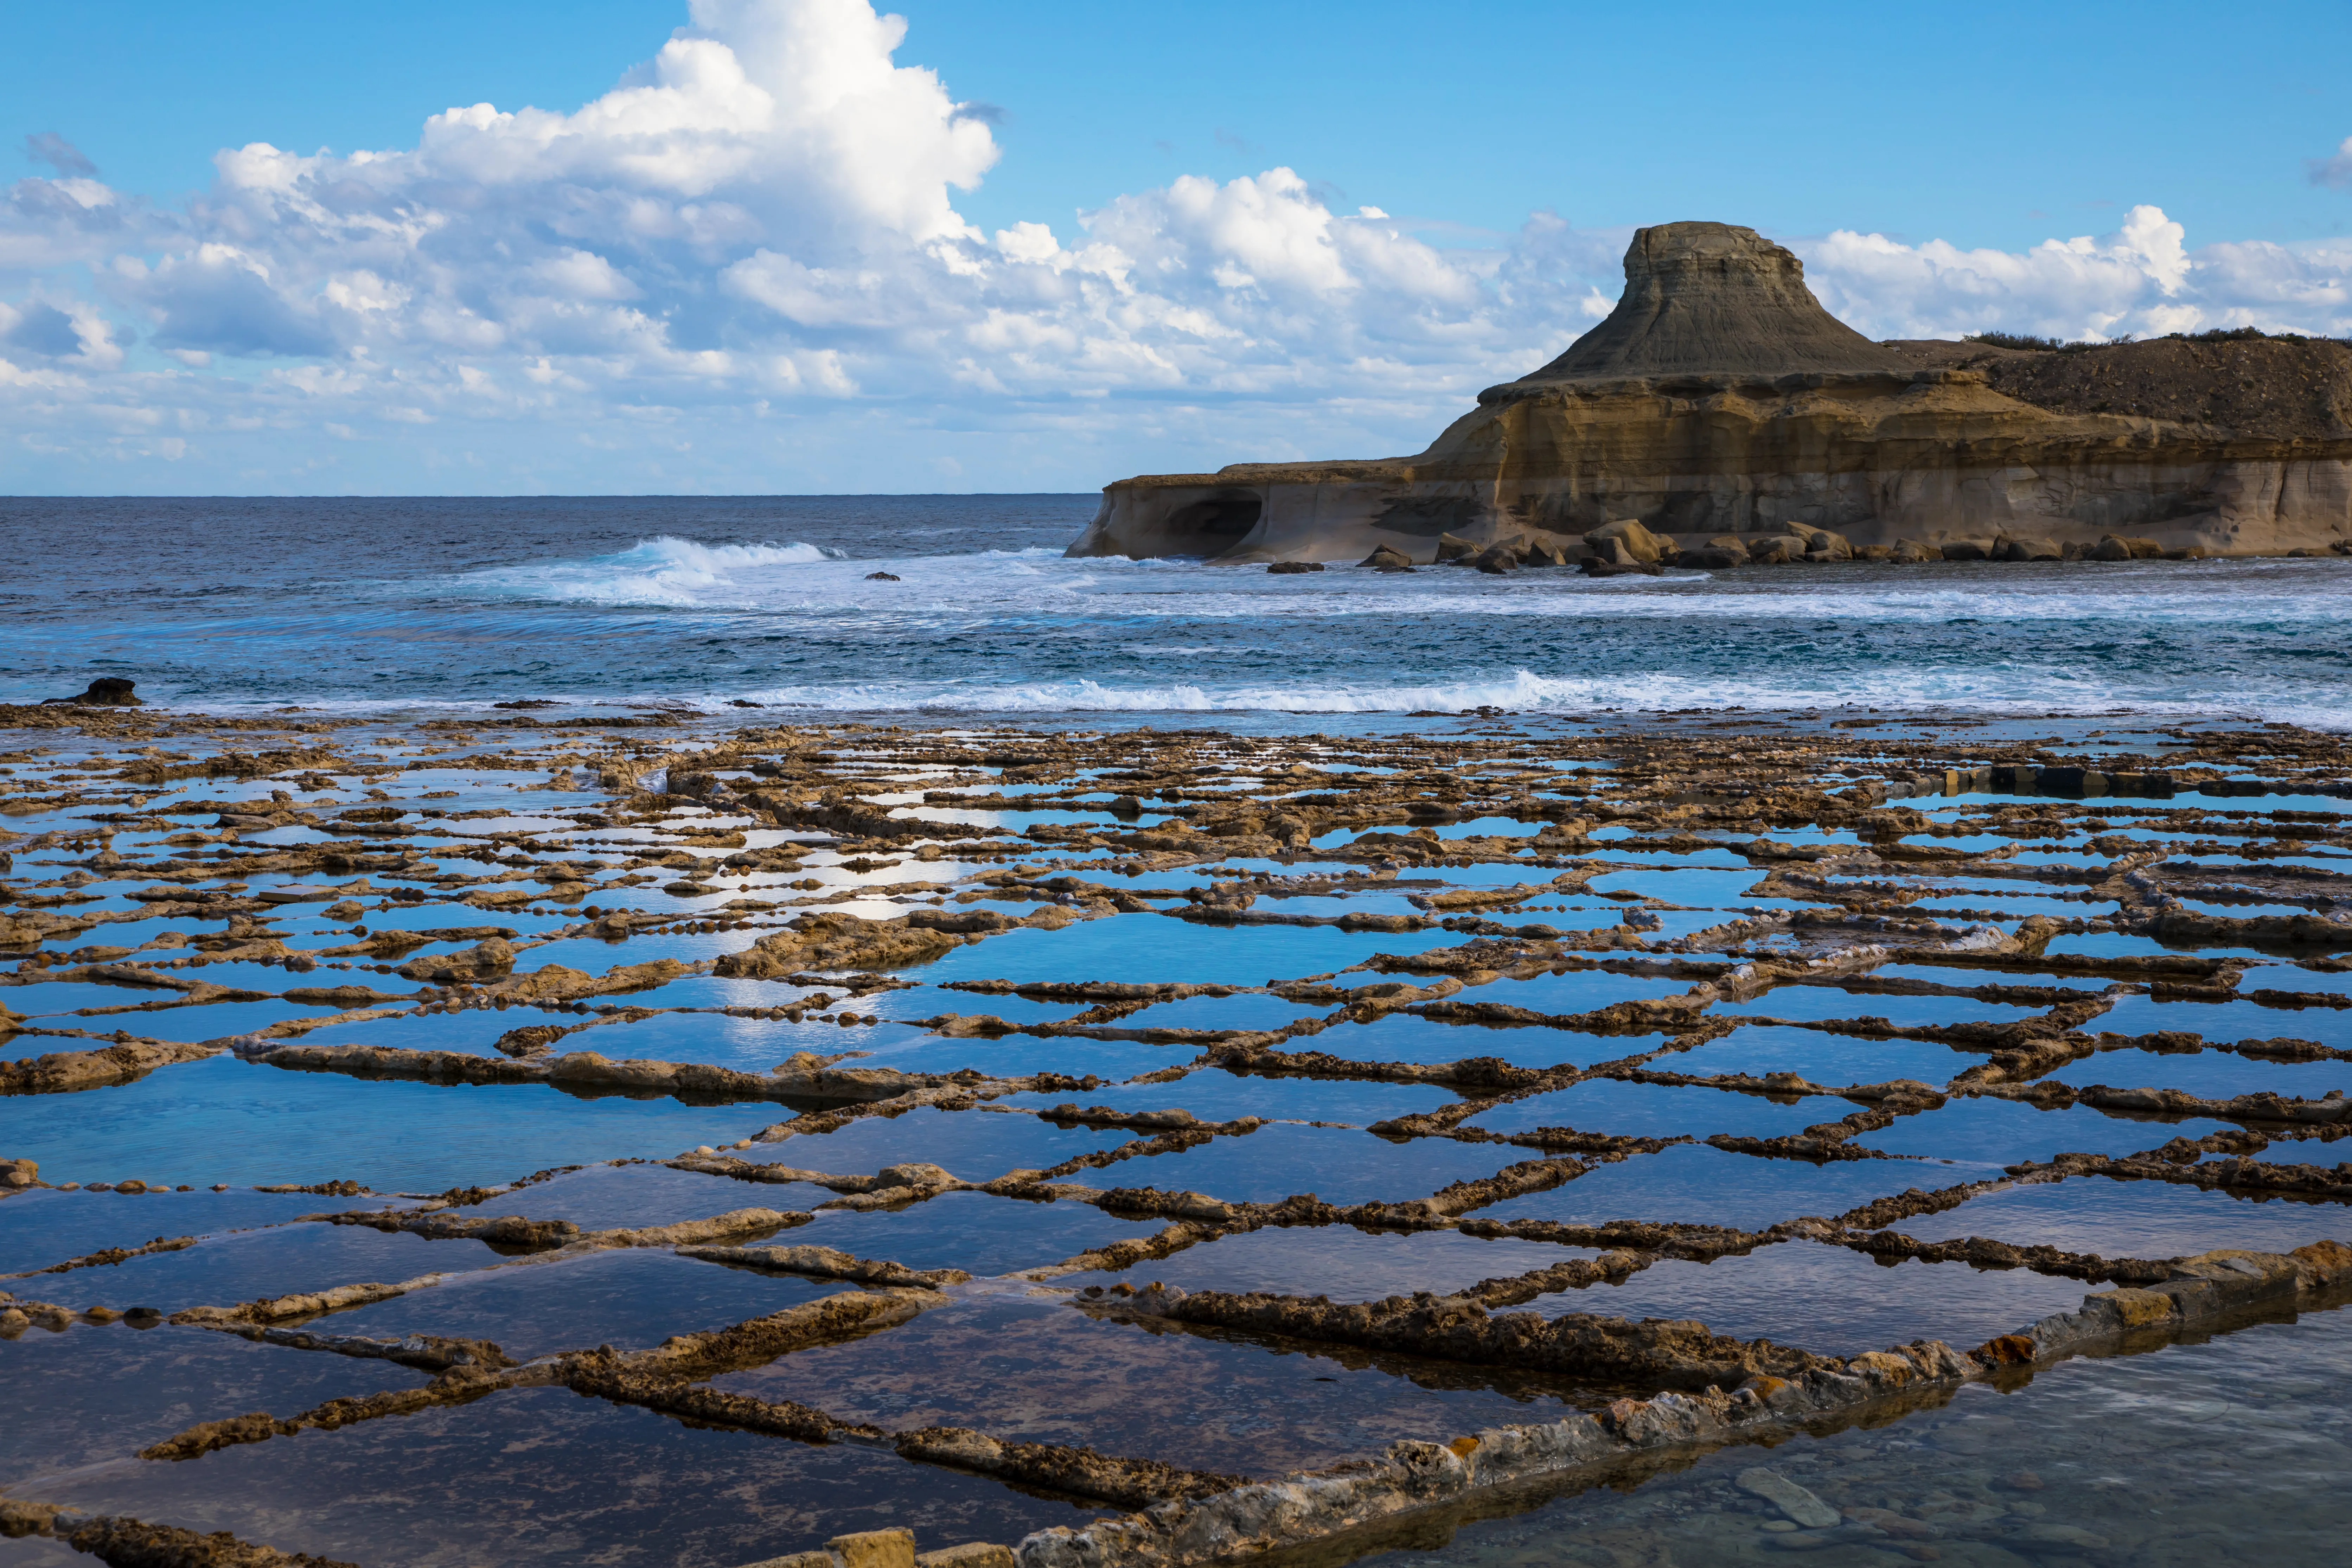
x=1368 y=1496
x=1413 y=1477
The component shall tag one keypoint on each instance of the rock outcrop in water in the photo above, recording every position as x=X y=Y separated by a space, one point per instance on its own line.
x=1720 y=400
x=105 y=691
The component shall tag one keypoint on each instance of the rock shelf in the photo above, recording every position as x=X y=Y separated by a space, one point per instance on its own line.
x=1480 y=1027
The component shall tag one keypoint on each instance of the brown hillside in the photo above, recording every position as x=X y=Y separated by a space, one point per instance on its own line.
x=1714 y=297
x=2275 y=388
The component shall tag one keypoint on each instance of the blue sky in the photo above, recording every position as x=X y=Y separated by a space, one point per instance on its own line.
x=1044 y=244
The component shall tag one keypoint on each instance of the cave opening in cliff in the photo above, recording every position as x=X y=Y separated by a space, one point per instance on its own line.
x=1223 y=518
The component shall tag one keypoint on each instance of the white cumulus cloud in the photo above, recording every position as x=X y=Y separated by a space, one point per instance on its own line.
x=749 y=249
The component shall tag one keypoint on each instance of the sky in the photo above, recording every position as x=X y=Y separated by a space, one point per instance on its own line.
x=802 y=246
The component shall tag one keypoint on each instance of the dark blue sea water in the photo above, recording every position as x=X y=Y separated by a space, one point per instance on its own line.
x=407 y=604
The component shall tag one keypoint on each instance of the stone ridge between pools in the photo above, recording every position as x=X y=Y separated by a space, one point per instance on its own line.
x=1414 y=991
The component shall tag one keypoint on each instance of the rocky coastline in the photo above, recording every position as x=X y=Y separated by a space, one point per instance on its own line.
x=1720 y=409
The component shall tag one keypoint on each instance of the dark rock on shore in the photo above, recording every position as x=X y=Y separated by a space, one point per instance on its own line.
x=105 y=691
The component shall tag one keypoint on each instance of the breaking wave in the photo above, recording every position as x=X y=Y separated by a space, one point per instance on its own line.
x=980 y=613
x=660 y=571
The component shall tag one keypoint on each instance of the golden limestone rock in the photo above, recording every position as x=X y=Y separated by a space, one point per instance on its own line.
x=1720 y=401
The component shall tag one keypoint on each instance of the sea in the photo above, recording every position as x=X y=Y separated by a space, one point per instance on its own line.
x=400 y=605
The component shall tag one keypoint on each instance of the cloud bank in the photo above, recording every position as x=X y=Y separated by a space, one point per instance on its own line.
x=743 y=270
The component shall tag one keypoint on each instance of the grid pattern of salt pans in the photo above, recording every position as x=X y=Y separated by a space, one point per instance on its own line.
x=988 y=1131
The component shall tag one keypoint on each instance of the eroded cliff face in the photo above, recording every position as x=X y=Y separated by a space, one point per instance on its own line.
x=1719 y=398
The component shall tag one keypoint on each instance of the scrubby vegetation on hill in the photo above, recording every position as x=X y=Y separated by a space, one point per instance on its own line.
x=2271 y=384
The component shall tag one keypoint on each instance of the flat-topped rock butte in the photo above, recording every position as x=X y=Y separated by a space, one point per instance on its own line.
x=1719 y=398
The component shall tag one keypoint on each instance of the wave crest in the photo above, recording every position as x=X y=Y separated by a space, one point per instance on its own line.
x=664 y=570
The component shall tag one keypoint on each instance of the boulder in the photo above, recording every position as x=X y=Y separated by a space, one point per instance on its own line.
x=1910 y=552
x=1450 y=548
x=2007 y=549
x=1497 y=558
x=487 y=959
x=1713 y=558
x=1387 y=559
x=1638 y=542
x=1774 y=550
x=105 y=691
x=1286 y=568
x=1966 y=550
x=1815 y=543
x=1545 y=553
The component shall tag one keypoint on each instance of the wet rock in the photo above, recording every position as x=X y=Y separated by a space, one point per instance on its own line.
x=1886 y=1521
x=485 y=960
x=828 y=1263
x=340 y=996
x=970 y=1554
x=554 y=983
x=2060 y=1537
x=873 y=1548
x=1625 y=541
x=1290 y=568
x=870 y=577
x=530 y=1040
x=1794 y=1501
x=123 y=1542
x=1388 y=558
x=1456 y=1327
x=105 y=691
x=832 y=940
x=1819 y=545
x=697 y=1356
x=511 y=1231
x=1712 y=558
x=59 y=1071
x=1450 y=548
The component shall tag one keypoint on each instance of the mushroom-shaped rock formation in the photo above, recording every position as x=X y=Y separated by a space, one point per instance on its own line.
x=1720 y=398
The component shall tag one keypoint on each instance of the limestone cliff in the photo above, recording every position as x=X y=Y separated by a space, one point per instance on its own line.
x=1720 y=398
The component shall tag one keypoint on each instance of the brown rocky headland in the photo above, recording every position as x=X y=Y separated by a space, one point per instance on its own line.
x=1721 y=416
